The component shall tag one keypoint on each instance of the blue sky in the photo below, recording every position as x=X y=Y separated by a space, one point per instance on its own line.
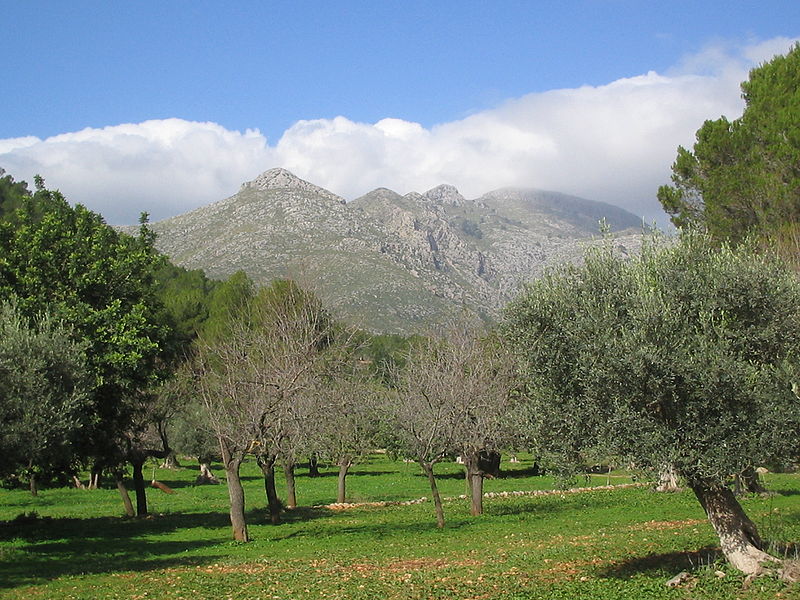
x=94 y=92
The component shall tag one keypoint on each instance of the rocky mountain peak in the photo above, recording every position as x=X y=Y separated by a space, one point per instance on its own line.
x=383 y=194
x=445 y=194
x=390 y=263
x=281 y=179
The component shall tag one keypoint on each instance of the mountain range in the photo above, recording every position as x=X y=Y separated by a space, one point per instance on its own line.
x=389 y=262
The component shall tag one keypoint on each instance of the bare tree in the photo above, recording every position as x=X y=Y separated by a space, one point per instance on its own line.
x=225 y=384
x=454 y=396
x=257 y=379
x=297 y=344
x=420 y=421
x=346 y=424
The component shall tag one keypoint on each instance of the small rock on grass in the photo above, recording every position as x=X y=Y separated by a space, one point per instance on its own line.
x=790 y=571
x=679 y=579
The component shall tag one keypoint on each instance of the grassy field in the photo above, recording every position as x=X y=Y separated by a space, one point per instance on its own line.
x=622 y=543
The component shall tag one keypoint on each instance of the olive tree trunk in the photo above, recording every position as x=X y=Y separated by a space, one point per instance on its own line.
x=171 y=461
x=748 y=482
x=206 y=476
x=123 y=492
x=232 y=460
x=668 y=480
x=344 y=467
x=313 y=466
x=738 y=536
x=437 y=499
x=474 y=483
x=267 y=464
x=170 y=458
x=138 y=485
x=94 y=476
x=291 y=494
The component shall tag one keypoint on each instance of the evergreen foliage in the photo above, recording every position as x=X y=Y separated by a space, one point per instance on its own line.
x=743 y=176
x=45 y=386
x=685 y=356
x=67 y=262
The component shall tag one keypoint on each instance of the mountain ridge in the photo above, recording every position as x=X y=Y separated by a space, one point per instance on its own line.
x=385 y=261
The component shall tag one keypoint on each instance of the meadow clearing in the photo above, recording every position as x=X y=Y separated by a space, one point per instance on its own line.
x=619 y=543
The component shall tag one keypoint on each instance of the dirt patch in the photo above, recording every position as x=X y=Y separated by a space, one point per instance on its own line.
x=662 y=525
x=568 y=570
x=579 y=490
x=416 y=564
x=246 y=568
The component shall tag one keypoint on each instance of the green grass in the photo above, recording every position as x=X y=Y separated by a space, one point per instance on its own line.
x=602 y=544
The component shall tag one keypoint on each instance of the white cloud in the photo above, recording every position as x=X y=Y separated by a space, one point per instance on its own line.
x=614 y=143
x=164 y=167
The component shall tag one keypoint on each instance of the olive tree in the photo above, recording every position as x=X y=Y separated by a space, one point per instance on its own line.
x=685 y=355
x=67 y=262
x=45 y=395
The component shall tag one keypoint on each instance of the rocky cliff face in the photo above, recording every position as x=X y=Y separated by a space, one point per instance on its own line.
x=389 y=262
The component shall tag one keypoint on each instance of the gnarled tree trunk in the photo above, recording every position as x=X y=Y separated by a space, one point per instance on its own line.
x=748 y=482
x=267 y=464
x=137 y=462
x=489 y=463
x=123 y=492
x=170 y=458
x=437 y=499
x=32 y=481
x=232 y=460
x=94 y=476
x=474 y=483
x=738 y=535
x=668 y=480
x=291 y=494
x=205 y=476
x=344 y=467
x=171 y=461
x=313 y=466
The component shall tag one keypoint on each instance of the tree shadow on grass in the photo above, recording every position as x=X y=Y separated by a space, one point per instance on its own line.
x=335 y=473
x=785 y=492
x=667 y=564
x=521 y=473
x=299 y=514
x=43 y=549
x=38 y=569
x=53 y=548
x=549 y=504
x=504 y=474
x=37 y=529
x=404 y=530
x=443 y=476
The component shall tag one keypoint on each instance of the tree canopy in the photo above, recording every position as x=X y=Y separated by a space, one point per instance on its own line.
x=67 y=262
x=743 y=176
x=45 y=388
x=685 y=356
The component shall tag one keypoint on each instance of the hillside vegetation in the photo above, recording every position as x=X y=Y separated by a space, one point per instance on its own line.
x=387 y=262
